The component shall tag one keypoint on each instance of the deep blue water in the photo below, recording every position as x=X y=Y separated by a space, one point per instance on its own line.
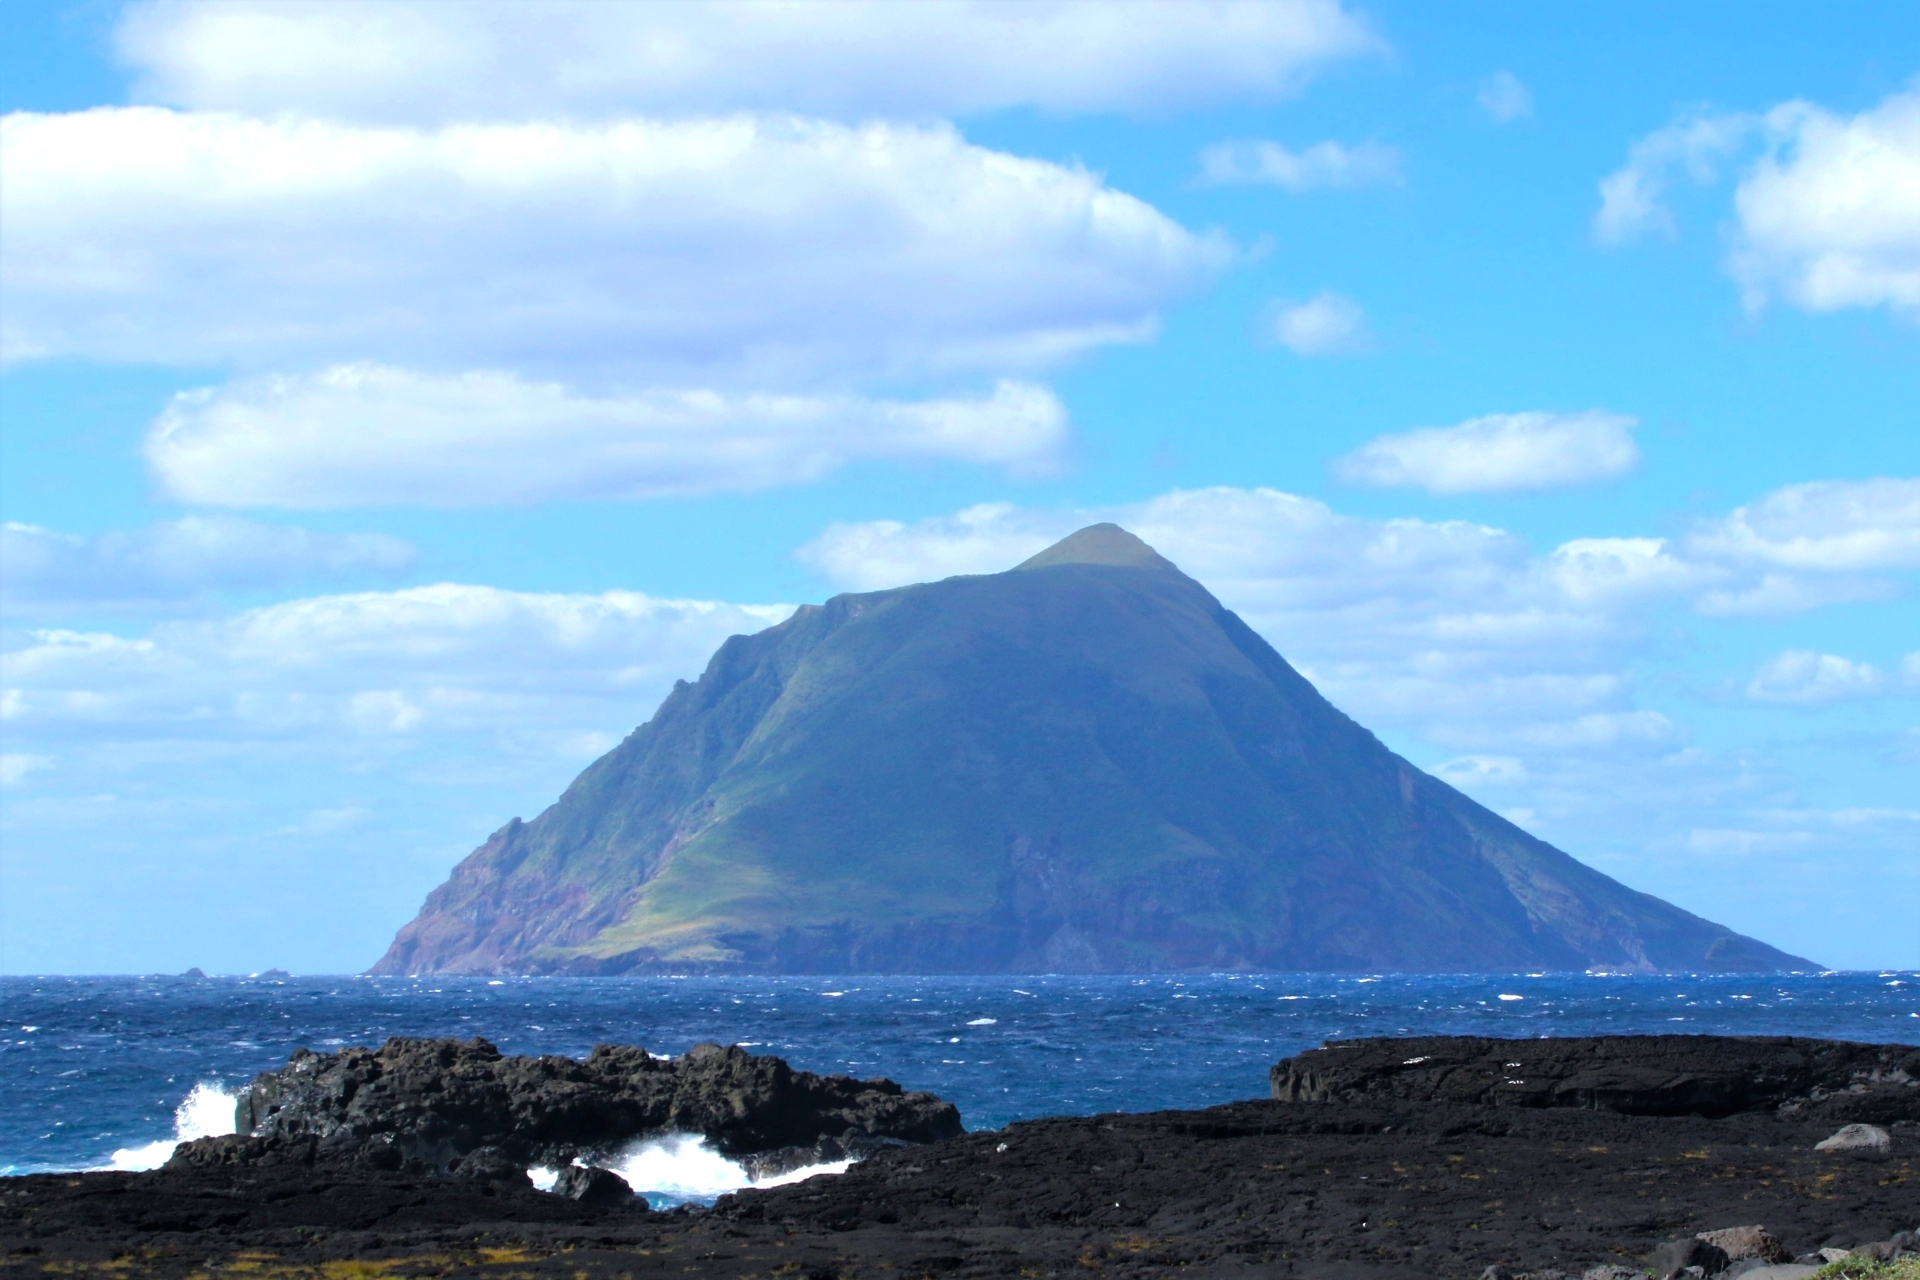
x=90 y=1065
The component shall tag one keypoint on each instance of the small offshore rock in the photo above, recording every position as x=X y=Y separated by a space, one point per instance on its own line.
x=490 y=1164
x=195 y=972
x=590 y=1184
x=1675 y=1257
x=1741 y=1243
x=1857 y=1137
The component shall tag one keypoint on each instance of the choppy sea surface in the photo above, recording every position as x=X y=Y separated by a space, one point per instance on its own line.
x=99 y=1072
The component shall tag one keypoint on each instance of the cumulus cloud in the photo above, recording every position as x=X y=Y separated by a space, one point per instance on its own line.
x=16 y=765
x=1633 y=197
x=1826 y=212
x=1807 y=678
x=367 y=435
x=1324 y=164
x=1811 y=831
x=1326 y=324
x=1829 y=217
x=444 y=660
x=1808 y=545
x=1469 y=771
x=1499 y=453
x=437 y=60
x=172 y=562
x=771 y=250
x=1504 y=97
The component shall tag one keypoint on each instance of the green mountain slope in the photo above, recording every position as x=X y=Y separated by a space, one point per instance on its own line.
x=1082 y=764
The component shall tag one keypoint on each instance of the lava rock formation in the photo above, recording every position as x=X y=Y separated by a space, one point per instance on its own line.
x=461 y=1108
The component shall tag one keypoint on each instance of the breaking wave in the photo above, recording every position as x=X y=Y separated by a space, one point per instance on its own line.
x=207 y=1112
x=682 y=1168
x=677 y=1168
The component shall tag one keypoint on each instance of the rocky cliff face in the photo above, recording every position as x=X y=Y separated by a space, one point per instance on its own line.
x=1082 y=764
x=461 y=1107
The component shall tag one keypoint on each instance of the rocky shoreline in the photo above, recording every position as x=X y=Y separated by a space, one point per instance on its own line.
x=1440 y=1157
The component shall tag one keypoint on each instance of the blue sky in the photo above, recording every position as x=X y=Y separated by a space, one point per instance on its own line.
x=398 y=397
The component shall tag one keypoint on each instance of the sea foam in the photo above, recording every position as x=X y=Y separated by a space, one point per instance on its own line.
x=683 y=1168
x=207 y=1112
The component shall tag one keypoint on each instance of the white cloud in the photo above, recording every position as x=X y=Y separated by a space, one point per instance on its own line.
x=1324 y=164
x=365 y=435
x=1499 y=453
x=1471 y=771
x=1326 y=324
x=1613 y=570
x=175 y=561
x=1830 y=216
x=1504 y=97
x=1633 y=197
x=1745 y=843
x=1826 y=213
x=16 y=765
x=772 y=251
x=447 y=659
x=443 y=60
x=1805 y=830
x=1806 y=678
x=1780 y=595
x=1808 y=545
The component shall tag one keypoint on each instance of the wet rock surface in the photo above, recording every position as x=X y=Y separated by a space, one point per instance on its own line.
x=460 y=1107
x=1828 y=1080
x=1337 y=1190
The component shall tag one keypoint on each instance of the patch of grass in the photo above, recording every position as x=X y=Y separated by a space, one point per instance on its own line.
x=1867 y=1269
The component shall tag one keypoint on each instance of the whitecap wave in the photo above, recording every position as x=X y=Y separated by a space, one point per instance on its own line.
x=206 y=1112
x=684 y=1168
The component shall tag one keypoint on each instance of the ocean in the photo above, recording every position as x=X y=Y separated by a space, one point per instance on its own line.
x=104 y=1072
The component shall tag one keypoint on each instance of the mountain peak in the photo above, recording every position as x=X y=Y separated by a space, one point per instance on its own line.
x=1098 y=769
x=1100 y=544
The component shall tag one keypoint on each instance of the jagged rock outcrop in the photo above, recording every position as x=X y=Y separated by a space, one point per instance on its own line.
x=1710 y=1076
x=1083 y=764
x=461 y=1108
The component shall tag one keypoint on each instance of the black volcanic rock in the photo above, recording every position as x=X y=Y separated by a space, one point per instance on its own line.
x=590 y=1184
x=460 y=1107
x=1083 y=764
x=1715 y=1076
